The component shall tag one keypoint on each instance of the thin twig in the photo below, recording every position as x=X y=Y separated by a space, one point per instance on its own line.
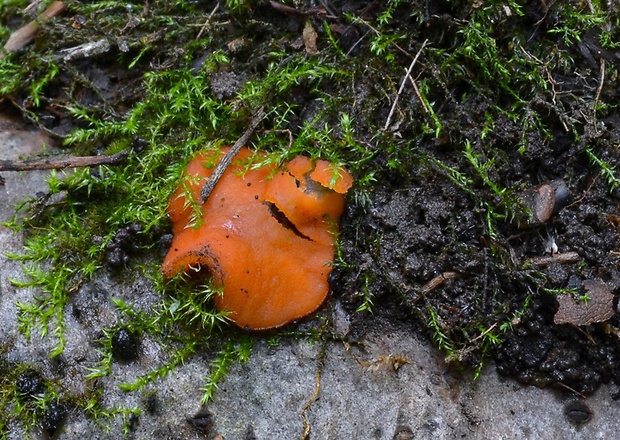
x=572 y=389
x=286 y=131
x=601 y=82
x=419 y=95
x=206 y=23
x=356 y=43
x=64 y=162
x=402 y=84
x=438 y=281
x=290 y=10
x=484 y=333
x=228 y=157
x=25 y=35
x=286 y=9
x=566 y=257
x=378 y=33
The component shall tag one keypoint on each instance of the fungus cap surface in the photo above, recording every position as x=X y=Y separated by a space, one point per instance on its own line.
x=268 y=240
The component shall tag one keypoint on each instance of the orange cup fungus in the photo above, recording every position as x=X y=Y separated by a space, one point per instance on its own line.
x=266 y=235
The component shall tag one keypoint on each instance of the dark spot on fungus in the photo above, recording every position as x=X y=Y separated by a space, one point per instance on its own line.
x=125 y=346
x=286 y=232
x=283 y=220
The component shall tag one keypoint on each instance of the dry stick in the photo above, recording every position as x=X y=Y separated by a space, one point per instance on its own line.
x=438 y=281
x=24 y=35
x=210 y=16
x=378 y=34
x=601 y=82
x=65 y=162
x=419 y=95
x=484 y=333
x=402 y=84
x=228 y=157
x=356 y=43
x=566 y=257
x=285 y=9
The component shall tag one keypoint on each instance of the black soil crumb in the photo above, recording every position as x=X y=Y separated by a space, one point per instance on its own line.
x=29 y=384
x=202 y=421
x=124 y=244
x=125 y=346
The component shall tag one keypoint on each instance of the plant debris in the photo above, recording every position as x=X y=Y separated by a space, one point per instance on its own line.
x=25 y=35
x=596 y=306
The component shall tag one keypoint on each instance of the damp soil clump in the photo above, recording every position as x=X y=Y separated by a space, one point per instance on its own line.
x=452 y=242
x=423 y=251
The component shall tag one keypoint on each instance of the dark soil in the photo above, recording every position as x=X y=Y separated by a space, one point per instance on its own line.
x=453 y=259
x=417 y=225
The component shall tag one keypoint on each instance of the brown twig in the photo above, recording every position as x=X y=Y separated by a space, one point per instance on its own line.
x=286 y=131
x=207 y=21
x=290 y=10
x=601 y=82
x=419 y=95
x=228 y=157
x=378 y=33
x=437 y=281
x=572 y=389
x=484 y=333
x=24 y=35
x=317 y=389
x=402 y=84
x=566 y=257
x=64 y=162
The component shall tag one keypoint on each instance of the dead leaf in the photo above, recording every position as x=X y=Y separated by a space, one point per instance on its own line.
x=310 y=37
x=598 y=308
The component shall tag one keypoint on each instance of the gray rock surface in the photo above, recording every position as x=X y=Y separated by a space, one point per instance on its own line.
x=395 y=386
